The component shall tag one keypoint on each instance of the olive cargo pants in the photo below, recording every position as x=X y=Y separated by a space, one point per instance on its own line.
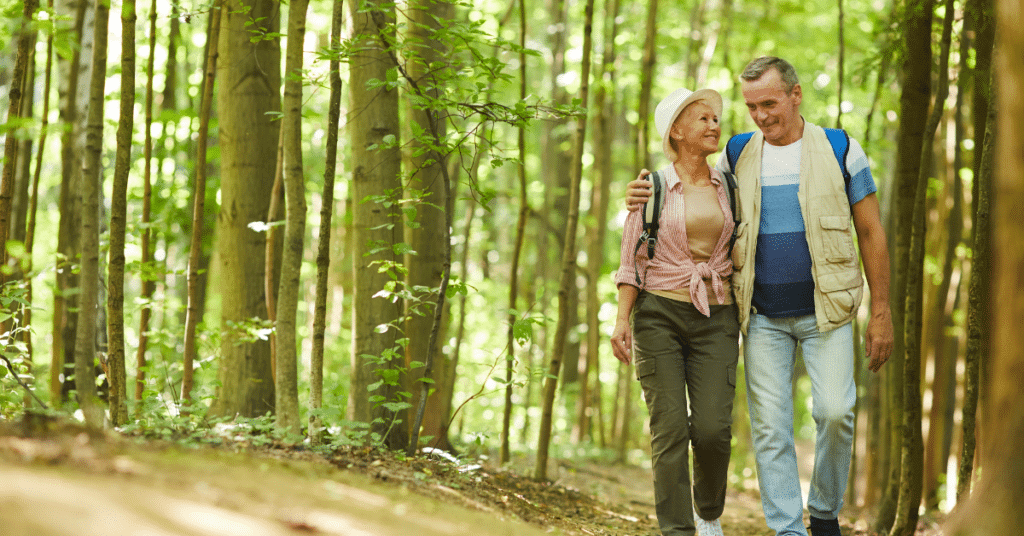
x=680 y=355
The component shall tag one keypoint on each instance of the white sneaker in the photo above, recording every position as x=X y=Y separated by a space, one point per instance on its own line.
x=708 y=528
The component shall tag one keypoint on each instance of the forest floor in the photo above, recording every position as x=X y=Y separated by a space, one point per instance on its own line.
x=62 y=481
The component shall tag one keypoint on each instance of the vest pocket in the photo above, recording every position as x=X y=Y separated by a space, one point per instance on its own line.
x=841 y=293
x=836 y=239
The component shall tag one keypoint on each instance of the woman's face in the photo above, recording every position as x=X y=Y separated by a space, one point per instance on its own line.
x=696 y=130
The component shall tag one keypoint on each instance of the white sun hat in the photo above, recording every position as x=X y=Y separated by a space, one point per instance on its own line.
x=671 y=106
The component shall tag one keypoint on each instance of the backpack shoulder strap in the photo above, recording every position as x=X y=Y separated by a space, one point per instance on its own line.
x=732 y=191
x=651 y=211
x=734 y=147
x=840 y=142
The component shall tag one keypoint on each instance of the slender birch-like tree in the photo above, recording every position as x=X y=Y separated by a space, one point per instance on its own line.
x=199 y=201
x=287 y=388
x=12 y=143
x=912 y=450
x=978 y=284
x=85 y=340
x=118 y=221
x=148 y=284
x=914 y=102
x=504 y=454
x=323 y=251
x=74 y=89
x=568 y=258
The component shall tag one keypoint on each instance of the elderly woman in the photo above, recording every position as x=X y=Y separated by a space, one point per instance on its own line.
x=684 y=324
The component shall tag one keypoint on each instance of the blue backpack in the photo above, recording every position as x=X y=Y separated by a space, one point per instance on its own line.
x=838 y=138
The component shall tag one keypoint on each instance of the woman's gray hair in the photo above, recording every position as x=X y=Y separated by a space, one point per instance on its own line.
x=756 y=69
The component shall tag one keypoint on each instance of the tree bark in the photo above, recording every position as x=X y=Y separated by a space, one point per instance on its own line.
x=993 y=507
x=287 y=384
x=12 y=143
x=978 y=283
x=604 y=105
x=430 y=259
x=376 y=185
x=323 y=252
x=118 y=221
x=30 y=227
x=937 y=445
x=73 y=112
x=505 y=455
x=199 y=204
x=148 y=284
x=558 y=346
x=85 y=340
x=914 y=101
x=250 y=81
x=642 y=158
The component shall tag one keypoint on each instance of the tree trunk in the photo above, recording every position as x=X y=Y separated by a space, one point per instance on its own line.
x=505 y=455
x=148 y=284
x=249 y=82
x=978 y=284
x=75 y=99
x=169 y=96
x=30 y=227
x=940 y=419
x=323 y=252
x=199 y=203
x=567 y=285
x=914 y=102
x=604 y=105
x=993 y=507
x=917 y=87
x=287 y=384
x=376 y=184
x=23 y=166
x=642 y=158
x=11 y=143
x=85 y=341
x=427 y=239
x=118 y=221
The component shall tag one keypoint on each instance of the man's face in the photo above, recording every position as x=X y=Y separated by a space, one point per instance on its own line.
x=775 y=112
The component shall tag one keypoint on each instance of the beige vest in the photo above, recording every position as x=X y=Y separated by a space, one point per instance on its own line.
x=825 y=207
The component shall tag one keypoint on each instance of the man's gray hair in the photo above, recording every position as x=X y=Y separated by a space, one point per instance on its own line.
x=756 y=69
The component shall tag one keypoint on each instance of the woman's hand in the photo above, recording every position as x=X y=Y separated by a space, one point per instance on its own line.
x=639 y=190
x=622 y=342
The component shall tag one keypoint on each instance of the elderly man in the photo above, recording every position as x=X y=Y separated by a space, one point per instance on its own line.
x=797 y=279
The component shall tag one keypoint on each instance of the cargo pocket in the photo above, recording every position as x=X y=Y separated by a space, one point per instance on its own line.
x=841 y=292
x=645 y=367
x=836 y=239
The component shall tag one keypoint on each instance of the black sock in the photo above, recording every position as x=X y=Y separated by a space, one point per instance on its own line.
x=825 y=527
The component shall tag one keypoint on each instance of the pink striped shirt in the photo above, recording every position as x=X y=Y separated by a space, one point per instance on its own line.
x=673 y=267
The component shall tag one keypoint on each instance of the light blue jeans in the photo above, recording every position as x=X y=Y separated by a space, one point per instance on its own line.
x=769 y=355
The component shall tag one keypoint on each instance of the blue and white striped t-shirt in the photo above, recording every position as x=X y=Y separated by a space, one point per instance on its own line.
x=783 y=285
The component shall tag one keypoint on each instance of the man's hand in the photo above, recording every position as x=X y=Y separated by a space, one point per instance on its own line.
x=639 y=191
x=878 y=339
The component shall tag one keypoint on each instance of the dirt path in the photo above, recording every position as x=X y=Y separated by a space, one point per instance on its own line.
x=71 y=484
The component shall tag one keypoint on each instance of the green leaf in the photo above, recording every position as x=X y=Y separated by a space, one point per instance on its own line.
x=522 y=330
